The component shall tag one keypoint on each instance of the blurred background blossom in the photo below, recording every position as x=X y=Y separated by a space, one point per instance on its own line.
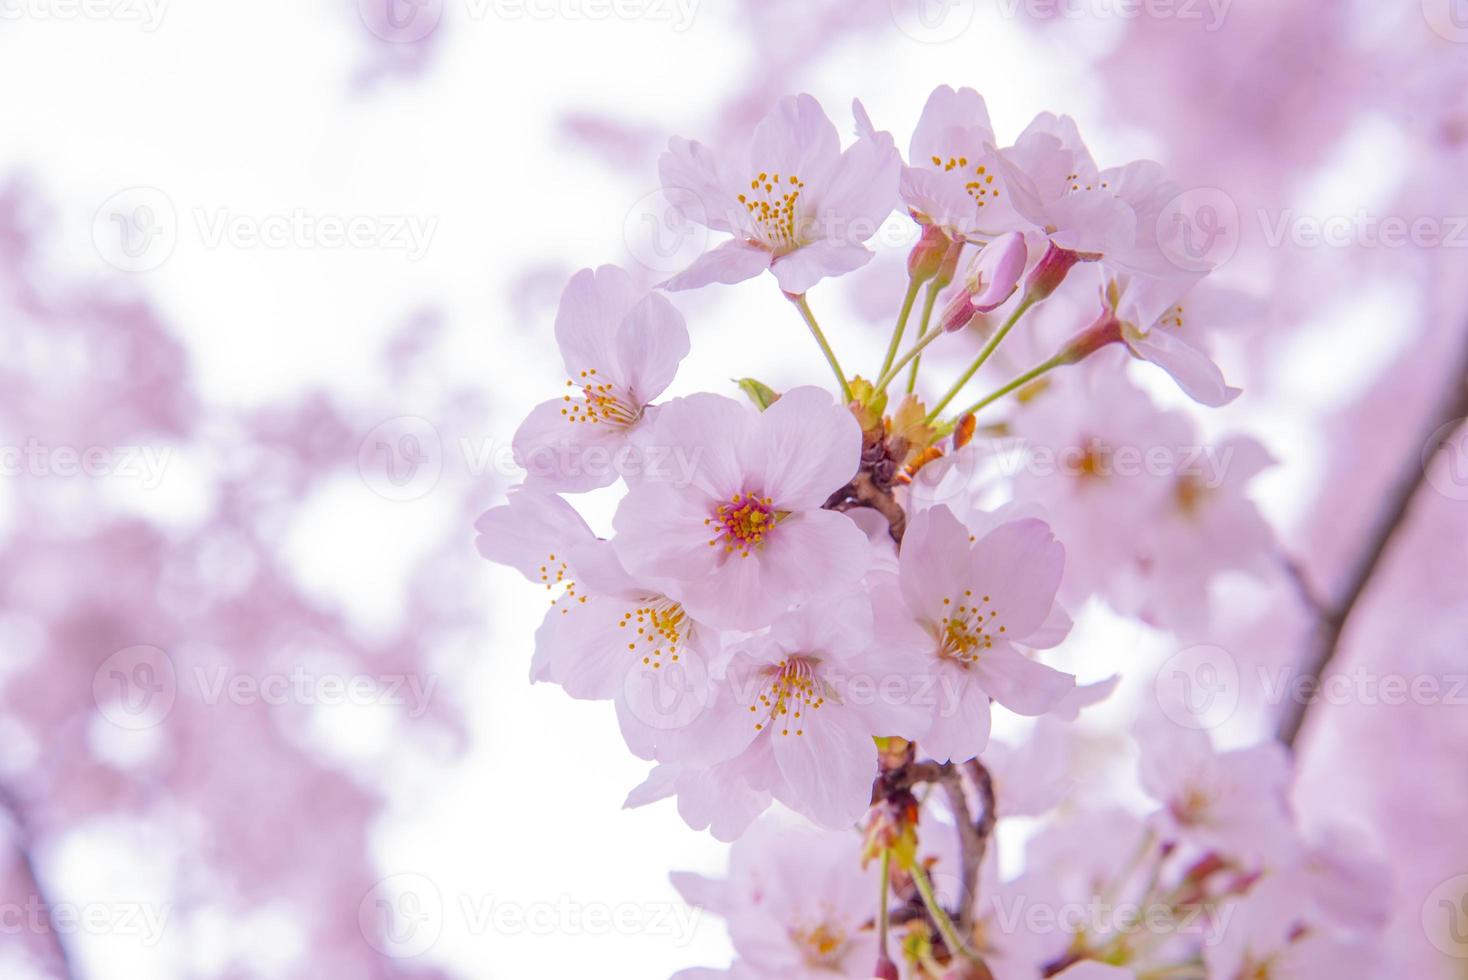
x=276 y=282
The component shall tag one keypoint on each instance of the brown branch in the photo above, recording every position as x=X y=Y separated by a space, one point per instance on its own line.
x=1325 y=639
x=24 y=846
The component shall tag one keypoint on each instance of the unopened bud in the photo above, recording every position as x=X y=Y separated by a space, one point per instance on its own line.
x=1054 y=265
x=926 y=257
x=995 y=272
x=886 y=970
x=958 y=314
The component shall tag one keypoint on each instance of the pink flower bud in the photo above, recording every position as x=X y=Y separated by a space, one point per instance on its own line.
x=959 y=313
x=996 y=270
x=1051 y=272
x=926 y=257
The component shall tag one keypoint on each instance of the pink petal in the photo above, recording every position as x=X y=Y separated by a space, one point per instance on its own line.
x=801 y=269
x=945 y=112
x=802 y=449
x=650 y=344
x=934 y=561
x=532 y=533
x=560 y=455
x=592 y=308
x=1198 y=377
x=862 y=193
x=795 y=139
x=1019 y=683
x=694 y=184
x=1019 y=565
x=829 y=766
x=960 y=728
x=733 y=261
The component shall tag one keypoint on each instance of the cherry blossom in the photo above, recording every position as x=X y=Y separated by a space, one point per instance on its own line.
x=795 y=202
x=745 y=537
x=620 y=348
x=966 y=606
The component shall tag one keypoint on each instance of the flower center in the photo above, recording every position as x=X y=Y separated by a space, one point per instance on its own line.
x=659 y=626
x=771 y=203
x=791 y=691
x=981 y=188
x=743 y=523
x=823 y=945
x=967 y=630
x=1192 y=806
x=601 y=402
x=553 y=574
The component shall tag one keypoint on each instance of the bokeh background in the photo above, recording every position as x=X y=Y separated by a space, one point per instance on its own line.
x=276 y=285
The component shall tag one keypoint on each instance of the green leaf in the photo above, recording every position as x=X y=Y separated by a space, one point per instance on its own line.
x=760 y=393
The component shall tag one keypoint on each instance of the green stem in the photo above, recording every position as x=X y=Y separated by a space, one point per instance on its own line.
x=815 y=331
x=928 y=302
x=884 y=916
x=913 y=286
x=1018 y=382
x=945 y=925
x=984 y=356
x=896 y=369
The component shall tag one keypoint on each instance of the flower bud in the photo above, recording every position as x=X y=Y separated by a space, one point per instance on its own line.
x=926 y=257
x=1054 y=265
x=885 y=970
x=995 y=272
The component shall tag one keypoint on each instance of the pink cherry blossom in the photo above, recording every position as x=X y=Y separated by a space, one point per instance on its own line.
x=1233 y=802
x=797 y=904
x=953 y=178
x=804 y=702
x=964 y=606
x=620 y=348
x=744 y=537
x=795 y=203
x=1161 y=325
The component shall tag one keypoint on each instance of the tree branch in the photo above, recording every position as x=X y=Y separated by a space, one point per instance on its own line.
x=60 y=955
x=1325 y=639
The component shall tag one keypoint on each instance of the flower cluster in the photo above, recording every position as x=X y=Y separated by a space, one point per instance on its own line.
x=819 y=597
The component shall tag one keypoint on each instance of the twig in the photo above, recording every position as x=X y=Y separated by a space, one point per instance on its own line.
x=1325 y=640
x=27 y=866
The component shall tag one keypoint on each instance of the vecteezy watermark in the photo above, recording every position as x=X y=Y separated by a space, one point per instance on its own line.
x=1363 y=229
x=411 y=21
x=1445 y=917
x=1361 y=686
x=405 y=915
x=137 y=688
x=298 y=228
x=1198 y=687
x=1199 y=229
x=1445 y=460
x=402 y=458
x=145 y=464
x=1448 y=19
x=662 y=236
x=933 y=21
x=33 y=916
x=138 y=229
x=300 y=686
x=1208 y=13
x=1016 y=914
x=147 y=14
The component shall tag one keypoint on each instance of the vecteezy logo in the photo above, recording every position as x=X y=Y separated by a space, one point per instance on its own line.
x=1448 y=19
x=1198 y=230
x=136 y=229
x=401 y=21
x=933 y=21
x=401 y=459
x=663 y=237
x=1198 y=687
x=667 y=694
x=1445 y=917
x=1445 y=460
x=402 y=916
x=136 y=687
